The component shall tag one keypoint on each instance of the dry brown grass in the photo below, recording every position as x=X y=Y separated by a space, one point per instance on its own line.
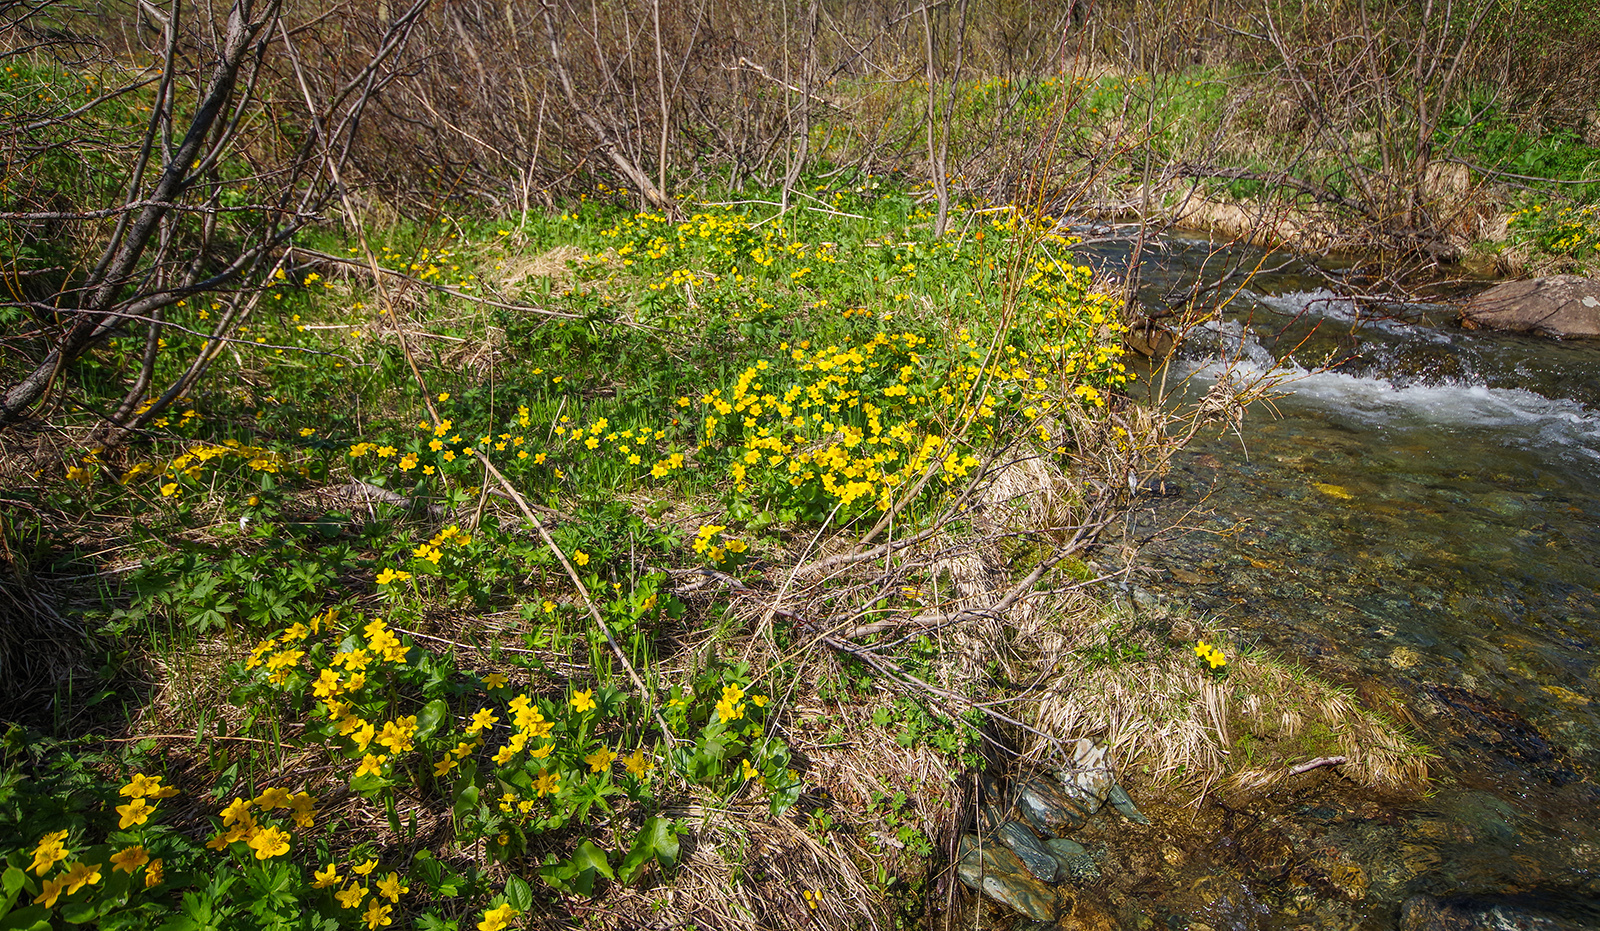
x=1136 y=686
x=554 y=264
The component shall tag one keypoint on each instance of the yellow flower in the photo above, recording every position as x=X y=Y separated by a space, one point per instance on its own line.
x=54 y=887
x=371 y=765
x=600 y=760
x=327 y=876
x=498 y=918
x=49 y=852
x=169 y=489
x=443 y=766
x=304 y=813
x=154 y=873
x=580 y=557
x=272 y=798
x=547 y=783
x=81 y=874
x=494 y=680
x=377 y=914
x=481 y=719
x=239 y=810
x=129 y=859
x=583 y=701
x=269 y=843
x=390 y=575
x=362 y=869
x=351 y=896
x=392 y=887
x=135 y=812
x=140 y=786
x=638 y=764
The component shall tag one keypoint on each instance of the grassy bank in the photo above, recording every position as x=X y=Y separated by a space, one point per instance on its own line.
x=593 y=566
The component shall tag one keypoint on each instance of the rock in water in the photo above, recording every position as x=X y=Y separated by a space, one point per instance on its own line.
x=1088 y=778
x=1123 y=803
x=1033 y=854
x=1495 y=913
x=997 y=873
x=1074 y=860
x=1049 y=809
x=1561 y=305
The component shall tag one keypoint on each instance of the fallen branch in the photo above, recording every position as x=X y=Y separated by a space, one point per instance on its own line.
x=1317 y=763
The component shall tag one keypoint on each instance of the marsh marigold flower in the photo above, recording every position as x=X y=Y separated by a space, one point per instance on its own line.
x=135 y=812
x=81 y=874
x=129 y=859
x=269 y=843
x=53 y=889
x=498 y=918
x=49 y=852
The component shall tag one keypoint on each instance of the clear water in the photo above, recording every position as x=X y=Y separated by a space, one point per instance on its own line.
x=1421 y=520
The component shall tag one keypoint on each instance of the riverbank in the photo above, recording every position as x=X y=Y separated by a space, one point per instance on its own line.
x=696 y=568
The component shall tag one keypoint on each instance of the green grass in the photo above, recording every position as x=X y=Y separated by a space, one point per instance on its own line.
x=705 y=393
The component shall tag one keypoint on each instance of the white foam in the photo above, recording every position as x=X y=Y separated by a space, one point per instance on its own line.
x=1330 y=305
x=1520 y=417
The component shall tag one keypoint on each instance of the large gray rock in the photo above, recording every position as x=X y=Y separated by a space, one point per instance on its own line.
x=1561 y=305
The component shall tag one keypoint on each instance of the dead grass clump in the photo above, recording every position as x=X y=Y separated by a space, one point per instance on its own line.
x=1169 y=721
x=555 y=264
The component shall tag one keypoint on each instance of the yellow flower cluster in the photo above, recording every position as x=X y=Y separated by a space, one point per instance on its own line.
x=433 y=550
x=1210 y=655
x=705 y=543
x=377 y=913
x=239 y=822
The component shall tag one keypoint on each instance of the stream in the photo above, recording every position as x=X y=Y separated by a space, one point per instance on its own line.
x=1416 y=515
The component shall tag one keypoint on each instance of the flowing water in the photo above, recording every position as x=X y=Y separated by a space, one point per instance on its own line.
x=1416 y=515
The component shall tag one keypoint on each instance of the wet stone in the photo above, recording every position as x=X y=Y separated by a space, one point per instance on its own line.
x=1075 y=862
x=1088 y=779
x=1049 y=809
x=1123 y=803
x=1033 y=854
x=997 y=873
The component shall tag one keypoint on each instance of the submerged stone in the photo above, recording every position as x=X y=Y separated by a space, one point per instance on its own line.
x=1033 y=854
x=1073 y=859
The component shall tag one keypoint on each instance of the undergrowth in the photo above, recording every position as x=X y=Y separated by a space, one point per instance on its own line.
x=358 y=691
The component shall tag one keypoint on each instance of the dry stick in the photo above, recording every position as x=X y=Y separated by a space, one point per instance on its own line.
x=1318 y=762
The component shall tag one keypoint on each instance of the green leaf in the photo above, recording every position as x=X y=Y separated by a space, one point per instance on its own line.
x=657 y=840
x=430 y=717
x=32 y=918
x=591 y=857
x=79 y=912
x=464 y=800
x=518 y=893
